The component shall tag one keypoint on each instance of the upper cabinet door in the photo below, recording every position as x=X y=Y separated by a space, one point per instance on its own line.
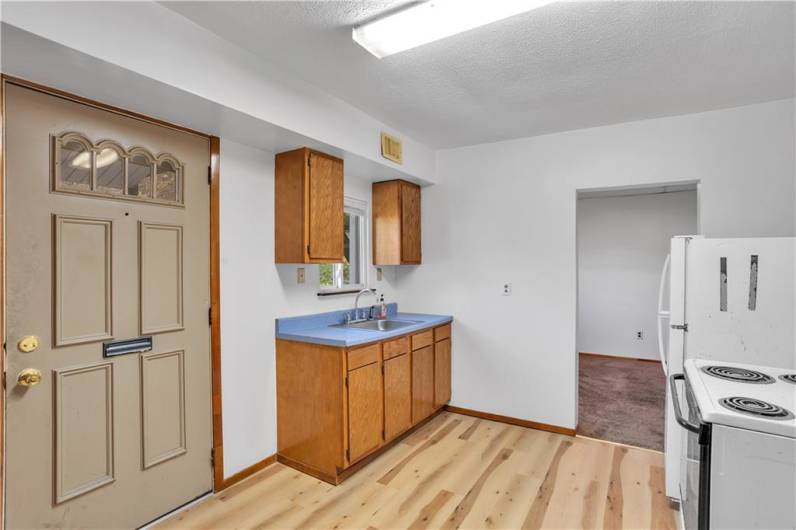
x=396 y=223
x=325 y=223
x=410 y=223
x=308 y=189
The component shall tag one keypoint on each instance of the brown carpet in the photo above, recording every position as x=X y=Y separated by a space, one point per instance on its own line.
x=622 y=400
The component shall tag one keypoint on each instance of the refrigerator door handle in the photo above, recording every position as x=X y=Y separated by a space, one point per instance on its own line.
x=662 y=284
x=678 y=415
x=662 y=314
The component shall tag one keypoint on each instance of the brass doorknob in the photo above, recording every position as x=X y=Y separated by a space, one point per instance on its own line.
x=28 y=343
x=29 y=377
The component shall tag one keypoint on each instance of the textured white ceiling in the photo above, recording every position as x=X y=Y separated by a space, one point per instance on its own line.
x=564 y=66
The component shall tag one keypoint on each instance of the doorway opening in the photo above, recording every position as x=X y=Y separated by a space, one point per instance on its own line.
x=623 y=238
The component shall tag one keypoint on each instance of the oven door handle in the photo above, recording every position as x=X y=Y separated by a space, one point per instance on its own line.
x=678 y=415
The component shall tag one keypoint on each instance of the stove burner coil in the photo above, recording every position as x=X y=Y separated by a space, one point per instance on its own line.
x=789 y=378
x=756 y=407
x=741 y=375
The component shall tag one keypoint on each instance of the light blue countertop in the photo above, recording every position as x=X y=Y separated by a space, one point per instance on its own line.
x=316 y=329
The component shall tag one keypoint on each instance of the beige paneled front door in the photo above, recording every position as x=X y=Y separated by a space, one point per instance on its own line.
x=107 y=241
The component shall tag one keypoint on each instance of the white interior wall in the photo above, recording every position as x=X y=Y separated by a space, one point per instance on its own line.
x=230 y=83
x=505 y=212
x=255 y=291
x=622 y=243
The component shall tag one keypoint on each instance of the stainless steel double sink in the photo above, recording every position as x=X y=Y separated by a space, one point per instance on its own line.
x=378 y=325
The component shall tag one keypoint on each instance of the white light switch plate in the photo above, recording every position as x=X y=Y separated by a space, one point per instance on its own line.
x=300 y=275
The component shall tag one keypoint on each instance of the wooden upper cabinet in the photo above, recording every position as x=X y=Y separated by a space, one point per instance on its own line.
x=396 y=223
x=410 y=223
x=308 y=207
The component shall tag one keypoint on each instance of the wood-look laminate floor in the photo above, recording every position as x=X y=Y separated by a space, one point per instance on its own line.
x=457 y=472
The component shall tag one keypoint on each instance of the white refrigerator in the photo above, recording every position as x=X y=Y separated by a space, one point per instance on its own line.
x=724 y=299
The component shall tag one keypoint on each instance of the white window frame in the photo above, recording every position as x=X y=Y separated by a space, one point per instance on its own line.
x=354 y=207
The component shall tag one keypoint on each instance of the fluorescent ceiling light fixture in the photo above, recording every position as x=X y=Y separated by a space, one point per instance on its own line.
x=435 y=20
x=104 y=158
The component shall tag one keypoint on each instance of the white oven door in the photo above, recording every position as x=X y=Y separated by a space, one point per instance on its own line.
x=695 y=463
x=752 y=479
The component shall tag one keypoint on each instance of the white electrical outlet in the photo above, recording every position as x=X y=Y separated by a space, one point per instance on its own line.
x=300 y=275
x=640 y=335
x=506 y=289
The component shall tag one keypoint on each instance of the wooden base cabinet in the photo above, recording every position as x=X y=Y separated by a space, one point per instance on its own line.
x=422 y=383
x=337 y=406
x=397 y=395
x=365 y=410
x=442 y=372
x=442 y=365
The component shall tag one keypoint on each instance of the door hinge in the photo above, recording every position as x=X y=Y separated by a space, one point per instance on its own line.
x=346 y=381
x=683 y=327
x=212 y=457
x=210 y=316
x=209 y=175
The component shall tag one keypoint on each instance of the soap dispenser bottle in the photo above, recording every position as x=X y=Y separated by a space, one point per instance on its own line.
x=383 y=312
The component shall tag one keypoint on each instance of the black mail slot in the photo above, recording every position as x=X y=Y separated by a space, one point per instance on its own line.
x=122 y=347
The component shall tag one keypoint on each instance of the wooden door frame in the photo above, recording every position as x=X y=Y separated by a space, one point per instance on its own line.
x=215 y=271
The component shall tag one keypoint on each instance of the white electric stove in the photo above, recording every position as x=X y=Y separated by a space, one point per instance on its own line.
x=739 y=458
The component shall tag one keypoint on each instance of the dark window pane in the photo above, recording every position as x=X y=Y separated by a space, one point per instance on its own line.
x=167 y=181
x=75 y=167
x=139 y=177
x=110 y=172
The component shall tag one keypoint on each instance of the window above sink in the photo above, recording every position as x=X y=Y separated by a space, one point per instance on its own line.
x=351 y=275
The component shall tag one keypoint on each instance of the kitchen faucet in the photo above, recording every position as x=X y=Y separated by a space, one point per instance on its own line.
x=356 y=304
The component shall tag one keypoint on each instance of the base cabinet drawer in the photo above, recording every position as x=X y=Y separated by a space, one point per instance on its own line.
x=397 y=396
x=442 y=332
x=422 y=339
x=396 y=347
x=365 y=412
x=362 y=356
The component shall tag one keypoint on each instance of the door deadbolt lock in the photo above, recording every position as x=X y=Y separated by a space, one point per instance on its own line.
x=28 y=343
x=29 y=377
